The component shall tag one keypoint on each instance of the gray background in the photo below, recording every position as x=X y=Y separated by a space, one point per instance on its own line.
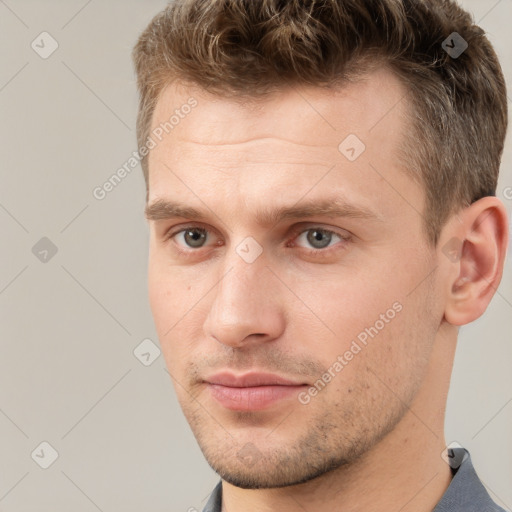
x=69 y=325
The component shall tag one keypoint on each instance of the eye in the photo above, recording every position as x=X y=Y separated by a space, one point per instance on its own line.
x=319 y=238
x=192 y=236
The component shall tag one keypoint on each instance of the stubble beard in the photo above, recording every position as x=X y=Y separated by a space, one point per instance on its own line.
x=328 y=443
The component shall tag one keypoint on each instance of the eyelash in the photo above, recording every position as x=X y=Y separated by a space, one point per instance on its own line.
x=295 y=233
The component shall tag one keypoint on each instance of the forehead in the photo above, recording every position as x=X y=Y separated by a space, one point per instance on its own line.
x=287 y=140
x=378 y=98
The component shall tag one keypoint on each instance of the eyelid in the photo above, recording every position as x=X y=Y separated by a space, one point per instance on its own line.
x=326 y=252
x=173 y=231
x=306 y=226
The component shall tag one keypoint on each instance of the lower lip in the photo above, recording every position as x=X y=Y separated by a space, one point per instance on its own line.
x=253 y=398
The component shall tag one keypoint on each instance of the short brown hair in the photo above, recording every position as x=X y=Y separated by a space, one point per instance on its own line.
x=248 y=48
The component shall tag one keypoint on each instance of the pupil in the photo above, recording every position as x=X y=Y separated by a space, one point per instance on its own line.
x=317 y=237
x=196 y=237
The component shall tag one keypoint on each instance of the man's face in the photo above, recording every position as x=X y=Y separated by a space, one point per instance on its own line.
x=341 y=305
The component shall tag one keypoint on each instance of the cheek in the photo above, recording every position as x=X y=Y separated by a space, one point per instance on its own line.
x=364 y=320
x=161 y=302
x=166 y=290
x=177 y=314
x=166 y=304
x=343 y=305
x=375 y=377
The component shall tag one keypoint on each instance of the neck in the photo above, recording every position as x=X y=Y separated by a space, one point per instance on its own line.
x=404 y=472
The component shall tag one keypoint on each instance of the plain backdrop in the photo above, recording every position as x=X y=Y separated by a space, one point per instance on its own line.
x=73 y=288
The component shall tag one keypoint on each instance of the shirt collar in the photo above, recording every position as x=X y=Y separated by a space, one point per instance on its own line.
x=464 y=494
x=215 y=502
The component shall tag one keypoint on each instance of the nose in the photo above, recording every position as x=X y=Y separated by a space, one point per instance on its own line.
x=246 y=307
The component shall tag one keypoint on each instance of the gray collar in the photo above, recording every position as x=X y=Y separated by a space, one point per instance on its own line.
x=464 y=494
x=215 y=502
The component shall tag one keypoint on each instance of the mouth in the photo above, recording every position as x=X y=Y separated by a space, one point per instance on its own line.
x=251 y=391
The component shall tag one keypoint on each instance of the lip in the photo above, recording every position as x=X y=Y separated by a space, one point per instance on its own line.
x=251 y=379
x=251 y=391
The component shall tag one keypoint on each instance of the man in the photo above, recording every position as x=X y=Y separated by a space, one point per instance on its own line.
x=321 y=184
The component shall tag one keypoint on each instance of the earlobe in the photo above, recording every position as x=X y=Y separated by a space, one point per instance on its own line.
x=482 y=237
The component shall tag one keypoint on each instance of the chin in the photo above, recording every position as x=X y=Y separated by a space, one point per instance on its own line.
x=274 y=474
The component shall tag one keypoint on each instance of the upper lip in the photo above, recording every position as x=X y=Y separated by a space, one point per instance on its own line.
x=252 y=379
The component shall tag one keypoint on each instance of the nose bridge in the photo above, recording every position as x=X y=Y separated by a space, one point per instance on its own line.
x=245 y=300
x=244 y=282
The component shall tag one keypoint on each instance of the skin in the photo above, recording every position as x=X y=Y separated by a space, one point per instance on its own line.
x=372 y=438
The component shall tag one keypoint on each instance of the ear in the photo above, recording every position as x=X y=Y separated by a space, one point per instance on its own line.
x=476 y=252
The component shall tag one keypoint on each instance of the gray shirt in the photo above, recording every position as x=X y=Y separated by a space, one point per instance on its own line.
x=464 y=494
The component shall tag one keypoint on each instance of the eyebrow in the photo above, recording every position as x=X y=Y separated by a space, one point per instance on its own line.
x=163 y=209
